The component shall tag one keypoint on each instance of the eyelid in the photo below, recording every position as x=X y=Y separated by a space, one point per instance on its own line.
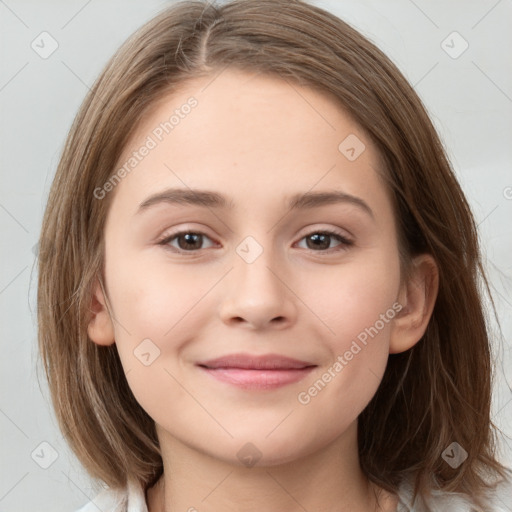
x=342 y=233
x=345 y=241
x=167 y=237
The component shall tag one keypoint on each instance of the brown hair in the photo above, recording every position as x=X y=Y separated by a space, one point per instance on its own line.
x=434 y=394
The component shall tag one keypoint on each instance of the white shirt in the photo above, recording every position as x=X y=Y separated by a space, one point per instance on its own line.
x=132 y=499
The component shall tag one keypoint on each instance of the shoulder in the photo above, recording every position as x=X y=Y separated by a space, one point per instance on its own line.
x=498 y=500
x=129 y=499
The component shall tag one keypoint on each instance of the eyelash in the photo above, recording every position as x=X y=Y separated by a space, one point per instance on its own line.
x=344 y=242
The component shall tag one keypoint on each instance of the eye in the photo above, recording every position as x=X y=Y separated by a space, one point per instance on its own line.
x=188 y=241
x=192 y=241
x=321 y=240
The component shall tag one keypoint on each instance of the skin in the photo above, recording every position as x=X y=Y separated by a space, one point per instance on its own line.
x=256 y=140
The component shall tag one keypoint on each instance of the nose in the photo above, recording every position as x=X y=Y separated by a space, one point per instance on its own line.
x=258 y=295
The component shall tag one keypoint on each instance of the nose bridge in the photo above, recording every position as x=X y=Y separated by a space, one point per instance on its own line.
x=256 y=292
x=256 y=265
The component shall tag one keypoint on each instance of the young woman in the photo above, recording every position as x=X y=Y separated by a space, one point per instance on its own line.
x=258 y=281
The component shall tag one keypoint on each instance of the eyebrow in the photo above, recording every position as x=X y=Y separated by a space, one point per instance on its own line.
x=211 y=199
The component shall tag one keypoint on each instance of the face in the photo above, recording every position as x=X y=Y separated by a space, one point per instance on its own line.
x=266 y=265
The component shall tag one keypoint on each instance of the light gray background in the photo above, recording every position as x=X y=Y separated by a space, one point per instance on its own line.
x=469 y=99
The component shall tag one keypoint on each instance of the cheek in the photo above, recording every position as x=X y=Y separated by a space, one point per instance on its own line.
x=356 y=305
x=154 y=301
x=351 y=299
x=157 y=308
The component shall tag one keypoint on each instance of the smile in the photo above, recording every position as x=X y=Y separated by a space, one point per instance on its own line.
x=257 y=372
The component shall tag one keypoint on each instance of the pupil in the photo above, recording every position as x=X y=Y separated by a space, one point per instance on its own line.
x=189 y=240
x=323 y=239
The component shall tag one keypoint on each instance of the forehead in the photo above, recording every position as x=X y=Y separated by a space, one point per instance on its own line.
x=249 y=135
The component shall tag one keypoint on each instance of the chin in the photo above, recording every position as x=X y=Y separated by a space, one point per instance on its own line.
x=260 y=452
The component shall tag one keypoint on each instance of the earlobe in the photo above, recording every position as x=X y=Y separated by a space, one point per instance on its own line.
x=417 y=298
x=100 y=328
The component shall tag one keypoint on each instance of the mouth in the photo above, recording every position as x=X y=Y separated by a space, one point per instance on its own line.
x=263 y=372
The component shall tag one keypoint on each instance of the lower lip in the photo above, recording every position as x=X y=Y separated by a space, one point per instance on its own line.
x=258 y=379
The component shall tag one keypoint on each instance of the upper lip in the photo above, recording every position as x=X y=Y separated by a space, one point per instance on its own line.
x=255 y=362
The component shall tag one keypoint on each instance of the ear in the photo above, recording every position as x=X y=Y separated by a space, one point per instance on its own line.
x=417 y=297
x=100 y=328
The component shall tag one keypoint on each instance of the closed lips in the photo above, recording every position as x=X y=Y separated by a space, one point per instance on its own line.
x=257 y=373
x=249 y=362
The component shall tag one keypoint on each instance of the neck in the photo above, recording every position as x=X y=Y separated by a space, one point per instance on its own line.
x=329 y=480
